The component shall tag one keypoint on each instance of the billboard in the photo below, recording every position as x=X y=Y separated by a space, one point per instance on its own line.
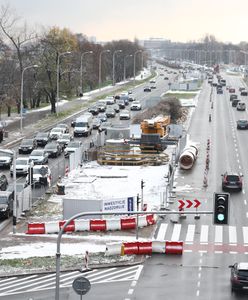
x=119 y=205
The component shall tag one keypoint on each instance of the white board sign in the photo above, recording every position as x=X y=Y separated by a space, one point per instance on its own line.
x=119 y=205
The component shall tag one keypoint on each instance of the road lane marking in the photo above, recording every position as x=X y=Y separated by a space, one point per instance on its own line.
x=162 y=232
x=218 y=235
x=176 y=232
x=232 y=235
x=204 y=234
x=130 y=292
x=190 y=234
x=245 y=202
x=245 y=234
x=247 y=215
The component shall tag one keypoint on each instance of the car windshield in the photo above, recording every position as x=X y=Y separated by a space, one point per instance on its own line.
x=22 y=162
x=27 y=142
x=81 y=124
x=37 y=153
x=3 y=153
x=3 y=200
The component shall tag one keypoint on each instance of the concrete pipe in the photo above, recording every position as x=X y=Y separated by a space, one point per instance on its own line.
x=188 y=157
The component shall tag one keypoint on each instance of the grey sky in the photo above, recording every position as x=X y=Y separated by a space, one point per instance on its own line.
x=178 y=20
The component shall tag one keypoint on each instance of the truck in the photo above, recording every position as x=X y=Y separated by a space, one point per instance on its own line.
x=83 y=125
x=6 y=204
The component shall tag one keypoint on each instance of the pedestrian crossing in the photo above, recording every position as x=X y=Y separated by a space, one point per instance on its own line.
x=33 y=283
x=203 y=234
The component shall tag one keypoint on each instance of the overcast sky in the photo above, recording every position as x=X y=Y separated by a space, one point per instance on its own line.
x=177 y=20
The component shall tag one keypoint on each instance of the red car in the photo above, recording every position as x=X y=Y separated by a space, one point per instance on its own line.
x=231 y=90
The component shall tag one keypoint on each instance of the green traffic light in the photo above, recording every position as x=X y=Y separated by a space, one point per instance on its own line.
x=221 y=217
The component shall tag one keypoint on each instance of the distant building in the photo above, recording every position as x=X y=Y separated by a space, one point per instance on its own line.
x=156 y=43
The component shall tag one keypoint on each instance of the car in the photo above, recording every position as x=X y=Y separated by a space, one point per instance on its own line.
x=41 y=176
x=215 y=84
x=72 y=147
x=27 y=146
x=3 y=182
x=96 y=123
x=38 y=157
x=105 y=126
x=116 y=107
x=6 y=158
x=232 y=181
x=102 y=117
x=101 y=105
x=130 y=92
x=235 y=102
x=56 y=133
x=231 y=90
x=121 y=103
x=110 y=112
x=94 y=110
x=219 y=90
x=110 y=100
x=241 y=88
x=131 y=99
x=6 y=204
x=239 y=276
x=64 y=139
x=53 y=149
x=241 y=106
x=153 y=86
x=124 y=115
x=42 y=138
x=233 y=96
x=152 y=81
x=63 y=126
x=136 y=105
x=244 y=93
x=147 y=89
x=242 y=124
x=125 y=97
x=166 y=78
x=22 y=166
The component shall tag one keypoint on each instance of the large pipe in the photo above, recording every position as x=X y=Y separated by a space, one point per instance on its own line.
x=188 y=157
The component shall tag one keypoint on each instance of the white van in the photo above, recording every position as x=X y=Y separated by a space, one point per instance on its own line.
x=83 y=125
x=241 y=106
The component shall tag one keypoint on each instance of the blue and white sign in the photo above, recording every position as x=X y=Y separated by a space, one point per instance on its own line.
x=119 y=205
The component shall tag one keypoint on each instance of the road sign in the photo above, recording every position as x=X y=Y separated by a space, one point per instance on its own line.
x=81 y=285
x=195 y=203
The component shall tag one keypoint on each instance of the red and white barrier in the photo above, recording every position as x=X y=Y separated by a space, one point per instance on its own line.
x=144 y=248
x=66 y=171
x=124 y=223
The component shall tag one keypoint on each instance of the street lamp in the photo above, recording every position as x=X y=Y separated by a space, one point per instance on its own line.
x=29 y=67
x=125 y=61
x=58 y=59
x=100 y=66
x=134 y=66
x=81 y=68
x=116 y=51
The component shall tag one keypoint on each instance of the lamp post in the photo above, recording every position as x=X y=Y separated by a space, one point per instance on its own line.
x=21 y=113
x=125 y=61
x=100 y=66
x=81 y=68
x=116 y=51
x=134 y=66
x=58 y=63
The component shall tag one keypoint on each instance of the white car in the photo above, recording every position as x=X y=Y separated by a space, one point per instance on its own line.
x=125 y=115
x=65 y=139
x=6 y=158
x=38 y=157
x=72 y=147
x=136 y=105
x=22 y=166
x=41 y=176
x=56 y=133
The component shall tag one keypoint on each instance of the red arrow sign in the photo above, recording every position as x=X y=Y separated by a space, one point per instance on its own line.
x=190 y=203
x=181 y=204
x=197 y=203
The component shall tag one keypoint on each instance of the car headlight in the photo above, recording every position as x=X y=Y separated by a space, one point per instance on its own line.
x=3 y=209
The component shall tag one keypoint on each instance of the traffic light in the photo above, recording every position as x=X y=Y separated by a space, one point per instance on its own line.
x=221 y=208
x=142 y=184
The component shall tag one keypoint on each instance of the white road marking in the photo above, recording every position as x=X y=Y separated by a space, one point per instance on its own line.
x=218 y=235
x=162 y=232
x=232 y=235
x=204 y=234
x=176 y=232
x=245 y=202
x=130 y=291
x=245 y=234
x=133 y=284
x=247 y=215
x=190 y=233
x=218 y=252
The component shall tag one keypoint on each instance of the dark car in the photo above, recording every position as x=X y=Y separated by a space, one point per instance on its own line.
x=42 y=138
x=232 y=181
x=6 y=204
x=6 y=158
x=121 y=103
x=239 y=276
x=233 y=97
x=94 y=110
x=235 y=102
x=231 y=90
x=147 y=89
x=219 y=90
x=96 y=123
x=53 y=149
x=110 y=112
x=3 y=182
x=166 y=78
x=39 y=157
x=242 y=124
x=244 y=93
x=27 y=146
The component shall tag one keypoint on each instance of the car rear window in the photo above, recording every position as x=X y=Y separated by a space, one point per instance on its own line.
x=232 y=178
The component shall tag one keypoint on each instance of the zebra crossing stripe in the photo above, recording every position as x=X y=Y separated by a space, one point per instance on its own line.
x=190 y=234
x=162 y=232
x=232 y=235
x=245 y=234
x=204 y=234
x=176 y=232
x=218 y=235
